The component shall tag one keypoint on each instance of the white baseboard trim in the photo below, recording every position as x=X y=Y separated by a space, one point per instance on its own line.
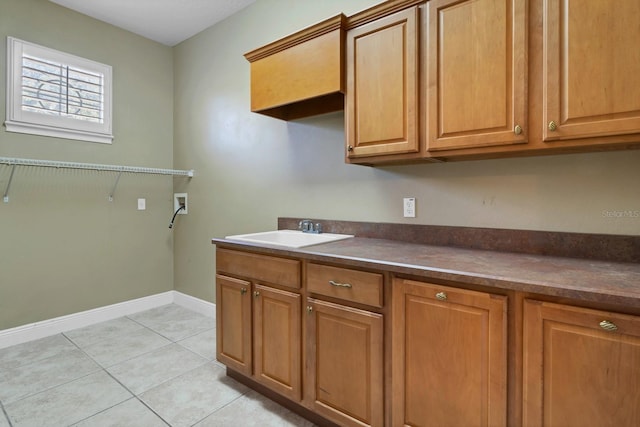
x=45 y=328
x=195 y=304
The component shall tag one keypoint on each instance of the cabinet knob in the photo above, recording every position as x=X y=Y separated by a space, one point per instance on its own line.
x=517 y=130
x=339 y=285
x=349 y=148
x=552 y=125
x=608 y=326
x=256 y=294
x=243 y=291
x=309 y=309
x=441 y=296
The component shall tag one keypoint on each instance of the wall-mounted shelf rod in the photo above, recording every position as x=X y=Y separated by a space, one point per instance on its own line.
x=87 y=166
x=93 y=166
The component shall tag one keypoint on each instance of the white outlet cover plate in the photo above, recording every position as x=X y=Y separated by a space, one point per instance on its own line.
x=409 y=207
x=142 y=204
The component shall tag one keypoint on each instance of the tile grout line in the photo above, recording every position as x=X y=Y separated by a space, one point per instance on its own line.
x=151 y=409
x=125 y=360
x=101 y=411
x=148 y=328
x=6 y=415
x=135 y=396
x=99 y=367
x=104 y=369
x=57 y=385
x=166 y=337
x=240 y=396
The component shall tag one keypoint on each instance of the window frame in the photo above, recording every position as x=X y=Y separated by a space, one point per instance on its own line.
x=24 y=121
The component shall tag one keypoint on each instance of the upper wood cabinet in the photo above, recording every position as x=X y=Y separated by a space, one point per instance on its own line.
x=591 y=68
x=477 y=73
x=300 y=75
x=444 y=80
x=581 y=367
x=382 y=86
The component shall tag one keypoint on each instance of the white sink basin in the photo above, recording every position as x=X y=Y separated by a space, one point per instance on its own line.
x=289 y=238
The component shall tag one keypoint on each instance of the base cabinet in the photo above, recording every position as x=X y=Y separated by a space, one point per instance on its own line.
x=258 y=325
x=259 y=334
x=449 y=352
x=276 y=340
x=233 y=318
x=581 y=367
x=360 y=348
x=345 y=363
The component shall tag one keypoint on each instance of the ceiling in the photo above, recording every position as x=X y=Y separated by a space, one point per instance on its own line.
x=166 y=21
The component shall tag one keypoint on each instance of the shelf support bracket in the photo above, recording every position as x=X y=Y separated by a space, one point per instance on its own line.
x=6 y=191
x=113 y=190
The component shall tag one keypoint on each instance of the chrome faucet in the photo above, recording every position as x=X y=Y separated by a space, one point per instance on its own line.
x=307 y=226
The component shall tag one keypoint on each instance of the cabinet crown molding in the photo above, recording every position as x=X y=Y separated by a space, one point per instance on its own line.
x=297 y=38
x=379 y=11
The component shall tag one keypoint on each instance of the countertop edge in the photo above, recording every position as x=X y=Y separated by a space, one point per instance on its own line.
x=494 y=280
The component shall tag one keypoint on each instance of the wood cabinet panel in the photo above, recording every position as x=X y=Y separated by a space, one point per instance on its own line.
x=264 y=268
x=345 y=363
x=300 y=75
x=233 y=319
x=591 y=68
x=477 y=73
x=382 y=86
x=450 y=350
x=276 y=340
x=345 y=283
x=576 y=373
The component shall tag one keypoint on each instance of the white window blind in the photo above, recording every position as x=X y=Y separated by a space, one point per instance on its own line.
x=53 y=93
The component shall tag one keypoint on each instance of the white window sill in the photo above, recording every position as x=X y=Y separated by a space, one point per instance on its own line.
x=55 y=132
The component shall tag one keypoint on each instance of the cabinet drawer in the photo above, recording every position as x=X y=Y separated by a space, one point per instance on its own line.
x=344 y=283
x=263 y=268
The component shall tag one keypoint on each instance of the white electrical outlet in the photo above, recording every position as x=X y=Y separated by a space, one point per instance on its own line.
x=142 y=204
x=409 y=204
x=180 y=199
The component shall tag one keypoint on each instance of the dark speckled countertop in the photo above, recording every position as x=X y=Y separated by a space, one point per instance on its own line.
x=616 y=283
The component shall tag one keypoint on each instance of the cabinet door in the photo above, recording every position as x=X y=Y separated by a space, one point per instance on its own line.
x=581 y=367
x=344 y=356
x=233 y=319
x=382 y=86
x=477 y=73
x=449 y=349
x=591 y=68
x=276 y=335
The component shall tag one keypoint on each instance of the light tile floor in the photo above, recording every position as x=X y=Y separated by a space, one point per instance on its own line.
x=154 y=368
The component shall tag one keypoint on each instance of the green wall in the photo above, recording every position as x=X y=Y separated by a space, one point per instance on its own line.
x=252 y=169
x=64 y=247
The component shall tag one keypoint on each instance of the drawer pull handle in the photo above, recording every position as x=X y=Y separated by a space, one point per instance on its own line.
x=441 y=296
x=608 y=326
x=340 y=285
